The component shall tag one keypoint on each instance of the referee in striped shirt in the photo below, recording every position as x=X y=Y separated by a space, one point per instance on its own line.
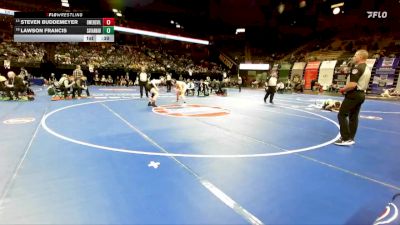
x=354 y=92
x=77 y=72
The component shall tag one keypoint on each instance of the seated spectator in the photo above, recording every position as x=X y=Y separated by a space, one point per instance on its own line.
x=333 y=87
x=255 y=84
x=24 y=74
x=97 y=80
x=117 y=81
x=123 y=81
x=288 y=84
x=52 y=79
x=127 y=78
x=103 y=80
x=318 y=87
x=3 y=90
x=313 y=82
x=190 y=87
x=109 y=81
x=221 y=91
x=280 y=87
x=226 y=82
x=297 y=83
x=214 y=85
x=202 y=88
x=391 y=92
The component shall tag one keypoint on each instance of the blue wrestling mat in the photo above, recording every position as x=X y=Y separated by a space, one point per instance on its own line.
x=111 y=159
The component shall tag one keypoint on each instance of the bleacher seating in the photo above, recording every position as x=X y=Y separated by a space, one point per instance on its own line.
x=324 y=55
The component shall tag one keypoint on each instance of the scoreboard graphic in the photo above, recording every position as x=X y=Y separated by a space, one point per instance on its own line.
x=62 y=27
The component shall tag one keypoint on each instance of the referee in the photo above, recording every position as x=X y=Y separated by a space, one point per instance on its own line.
x=77 y=72
x=271 y=88
x=354 y=91
x=143 y=79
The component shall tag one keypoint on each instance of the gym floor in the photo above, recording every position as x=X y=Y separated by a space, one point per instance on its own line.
x=111 y=159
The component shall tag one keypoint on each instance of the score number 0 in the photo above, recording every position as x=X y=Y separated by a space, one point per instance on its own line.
x=108 y=22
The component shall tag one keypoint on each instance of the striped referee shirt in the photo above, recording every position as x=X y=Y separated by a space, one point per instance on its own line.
x=361 y=75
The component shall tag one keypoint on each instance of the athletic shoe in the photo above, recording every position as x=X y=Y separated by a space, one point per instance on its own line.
x=149 y=104
x=342 y=142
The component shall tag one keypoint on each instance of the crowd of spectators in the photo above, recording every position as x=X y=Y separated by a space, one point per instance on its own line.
x=184 y=63
x=22 y=52
x=105 y=56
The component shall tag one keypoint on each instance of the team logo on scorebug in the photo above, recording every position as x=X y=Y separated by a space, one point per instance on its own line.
x=191 y=110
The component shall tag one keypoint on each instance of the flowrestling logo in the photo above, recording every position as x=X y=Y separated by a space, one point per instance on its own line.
x=377 y=14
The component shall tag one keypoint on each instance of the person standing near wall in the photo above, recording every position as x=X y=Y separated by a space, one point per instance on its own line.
x=239 y=81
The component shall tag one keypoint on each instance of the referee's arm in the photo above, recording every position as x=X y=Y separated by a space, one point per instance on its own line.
x=350 y=86
x=354 y=77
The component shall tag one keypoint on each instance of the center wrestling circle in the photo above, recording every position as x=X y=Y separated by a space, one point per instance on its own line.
x=129 y=151
x=190 y=110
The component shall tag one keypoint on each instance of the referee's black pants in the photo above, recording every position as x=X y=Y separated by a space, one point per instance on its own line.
x=142 y=85
x=270 y=92
x=169 y=84
x=348 y=114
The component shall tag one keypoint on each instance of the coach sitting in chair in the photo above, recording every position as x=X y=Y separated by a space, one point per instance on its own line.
x=65 y=84
x=3 y=89
x=80 y=85
x=14 y=84
x=203 y=88
x=190 y=87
